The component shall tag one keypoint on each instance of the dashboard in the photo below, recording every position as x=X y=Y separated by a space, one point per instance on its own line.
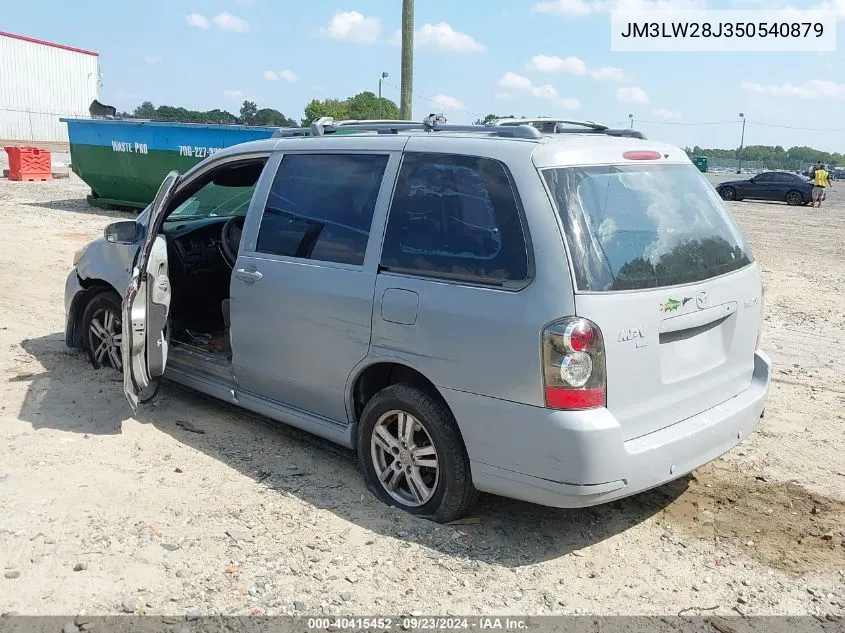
x=199 y=275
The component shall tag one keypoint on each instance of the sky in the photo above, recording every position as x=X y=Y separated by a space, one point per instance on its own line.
x=473 y=57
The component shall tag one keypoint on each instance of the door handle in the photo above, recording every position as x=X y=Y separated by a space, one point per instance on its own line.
x=248 y=276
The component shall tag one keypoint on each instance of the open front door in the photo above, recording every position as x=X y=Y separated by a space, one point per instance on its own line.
x=146 y=304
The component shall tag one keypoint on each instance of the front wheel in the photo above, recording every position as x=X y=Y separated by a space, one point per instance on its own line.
x=728 y=193
x=412 y=454
x=103 y=333
x=794 y=198
x=101 y=324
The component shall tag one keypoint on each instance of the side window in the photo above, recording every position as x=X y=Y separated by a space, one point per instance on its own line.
x=321 y=206
x=227 y=192
x=457 y=217
x=767 y=177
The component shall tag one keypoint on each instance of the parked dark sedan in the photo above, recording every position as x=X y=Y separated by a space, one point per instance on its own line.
x=777 y=186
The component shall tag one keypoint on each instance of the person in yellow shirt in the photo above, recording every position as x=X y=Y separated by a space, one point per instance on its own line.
x=821 y=180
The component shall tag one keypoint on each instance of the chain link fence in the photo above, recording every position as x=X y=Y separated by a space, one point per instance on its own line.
x=732 y=164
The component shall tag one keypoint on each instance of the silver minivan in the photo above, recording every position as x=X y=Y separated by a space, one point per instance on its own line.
x=548 y=310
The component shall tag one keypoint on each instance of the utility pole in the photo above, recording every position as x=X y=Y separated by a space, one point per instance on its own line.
x=380 y=79
x=631 y=116
x=407 y=86
x=741 y=142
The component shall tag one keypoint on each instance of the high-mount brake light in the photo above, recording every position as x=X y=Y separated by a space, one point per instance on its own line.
x=574 y=375
x=642 y=155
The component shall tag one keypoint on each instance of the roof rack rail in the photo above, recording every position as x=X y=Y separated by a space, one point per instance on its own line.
x=432 y=123
x=552 y=125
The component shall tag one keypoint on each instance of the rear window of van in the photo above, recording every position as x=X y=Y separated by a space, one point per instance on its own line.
x=631 y=227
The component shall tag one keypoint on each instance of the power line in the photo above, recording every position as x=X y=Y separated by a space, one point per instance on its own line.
x=750 y=122
x=684 y=122
x=442 y=105
x=790 y=127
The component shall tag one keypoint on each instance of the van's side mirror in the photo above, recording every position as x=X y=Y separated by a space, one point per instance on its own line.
x=124 y=232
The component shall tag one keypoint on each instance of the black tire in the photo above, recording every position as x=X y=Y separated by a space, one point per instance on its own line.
x=453 y=493
x=794 y=198
x=728 y=193
x=102 y=302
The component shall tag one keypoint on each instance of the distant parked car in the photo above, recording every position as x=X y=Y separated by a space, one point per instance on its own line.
x=776 y=186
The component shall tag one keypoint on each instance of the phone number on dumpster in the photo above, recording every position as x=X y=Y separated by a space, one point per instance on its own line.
x=195 y=151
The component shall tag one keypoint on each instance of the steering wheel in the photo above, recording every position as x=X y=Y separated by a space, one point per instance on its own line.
x=230 y=239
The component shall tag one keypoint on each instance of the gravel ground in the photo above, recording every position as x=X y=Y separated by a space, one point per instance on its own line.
x=107 y=512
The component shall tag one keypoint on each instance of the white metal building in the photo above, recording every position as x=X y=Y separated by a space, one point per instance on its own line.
x=40 y=82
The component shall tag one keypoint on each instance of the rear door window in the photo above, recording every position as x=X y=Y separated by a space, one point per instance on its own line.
x=320 y=207
x=456 y=217
x=630 y=227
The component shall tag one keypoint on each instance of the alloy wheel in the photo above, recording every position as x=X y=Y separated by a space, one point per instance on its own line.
x=405 y=459
x=105 y=335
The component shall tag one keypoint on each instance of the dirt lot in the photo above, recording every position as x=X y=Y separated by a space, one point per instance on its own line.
x=106 y=512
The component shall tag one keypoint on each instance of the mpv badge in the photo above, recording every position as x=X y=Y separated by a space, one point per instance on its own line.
x=701 y=300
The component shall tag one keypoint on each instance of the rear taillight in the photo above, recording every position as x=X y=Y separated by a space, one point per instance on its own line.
x=573 y=365
x=762 y=311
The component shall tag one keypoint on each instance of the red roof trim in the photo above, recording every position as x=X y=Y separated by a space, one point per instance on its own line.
x=45 y=43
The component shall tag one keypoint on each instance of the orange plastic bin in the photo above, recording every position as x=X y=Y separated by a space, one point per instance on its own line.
x=29 y=163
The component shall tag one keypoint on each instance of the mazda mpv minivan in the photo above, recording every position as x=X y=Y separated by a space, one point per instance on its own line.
x=548 y=310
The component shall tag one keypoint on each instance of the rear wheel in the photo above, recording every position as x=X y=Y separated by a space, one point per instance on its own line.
x=728 y=193
x=794 y=198
x=412 y=454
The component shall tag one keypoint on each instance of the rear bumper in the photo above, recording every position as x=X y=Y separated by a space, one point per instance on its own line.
x=577 y=459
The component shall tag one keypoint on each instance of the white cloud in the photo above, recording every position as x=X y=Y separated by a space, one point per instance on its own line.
x=197 y=20
x=152 y=59
x=573 y=66
x=288 y=75
x=233 y=94
x=546 y=91
x=666 y=115
x=503 y=96
x=224 y=21
x=632 y=95
x=449 y=102
x=554 y=64
x=227 y=22
x=512 y=81
x=834 y=5
x=443 y=37
x=351 y=26
x=569 y=103
x=587 y=7
x=269 y=75
x=608 y=73
x=812 y=89
x=515 y=82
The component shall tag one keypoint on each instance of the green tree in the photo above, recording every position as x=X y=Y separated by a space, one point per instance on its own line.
x=492 y=117
x=272 y=118
x=335 y=108
x=145 y=111
x=248 y=112
x=364 y=105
